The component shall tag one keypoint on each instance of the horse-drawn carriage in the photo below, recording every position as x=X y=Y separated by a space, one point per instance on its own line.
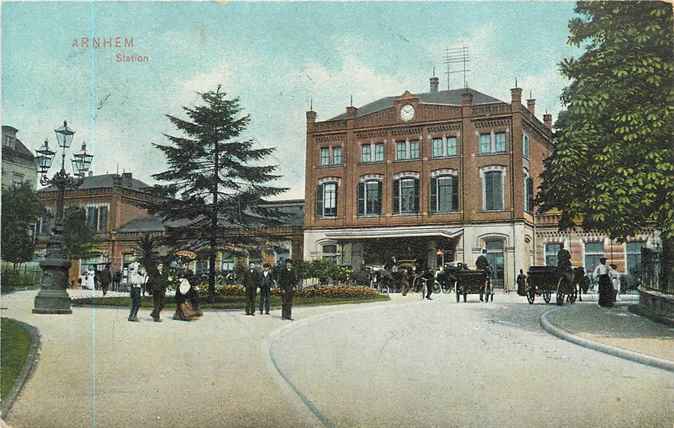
x=471 y=282
x=545 y=280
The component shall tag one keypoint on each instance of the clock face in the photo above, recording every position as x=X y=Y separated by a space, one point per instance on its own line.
x=407 y=112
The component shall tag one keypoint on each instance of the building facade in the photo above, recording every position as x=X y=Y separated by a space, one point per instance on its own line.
x=18 y=163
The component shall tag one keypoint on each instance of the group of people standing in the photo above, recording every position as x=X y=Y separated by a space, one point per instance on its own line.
x=286 y=278
x=607 y=276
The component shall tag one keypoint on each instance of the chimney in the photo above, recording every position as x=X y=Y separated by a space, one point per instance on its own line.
x=351 y=111
x=531 y=105
x=516 y=97
x=467 y=98
x=547 y=120
x=311 y=116
x=127 y=179
x=116 y=180
x=435 y=83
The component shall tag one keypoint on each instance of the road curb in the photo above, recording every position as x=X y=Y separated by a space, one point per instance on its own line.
x=600 y=347
x=27 y=370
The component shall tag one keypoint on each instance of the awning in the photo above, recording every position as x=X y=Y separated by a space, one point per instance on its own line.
x=395 y=232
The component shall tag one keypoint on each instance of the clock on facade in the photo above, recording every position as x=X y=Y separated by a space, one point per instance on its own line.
x=407 y=112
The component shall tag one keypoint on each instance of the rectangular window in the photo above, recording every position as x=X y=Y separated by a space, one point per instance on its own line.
x=102 y=225
x=493 y=188
x=325 y=156
x=329 y=199
x=408 y=195
x=401 y=150
x=451 y=146
x=369 y=198
x=593 y=252
x=633 y=256
x=485 y=143
x=445 y=192
x=378 y=152
x=551 y=254
x=365 y=153
x=438 y=148
x=525 y=145
x=499 y=142
x=414 y=150
x=92 y=217
x=337 y=155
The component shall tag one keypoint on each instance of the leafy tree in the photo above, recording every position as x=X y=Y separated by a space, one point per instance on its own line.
x=79 y=239
x=218 y=178
x=20 y=210
x=612 y=169
x=148 y=249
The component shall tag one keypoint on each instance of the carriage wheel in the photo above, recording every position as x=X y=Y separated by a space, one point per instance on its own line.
x=547 y=295
x=437 y=288
x=531 y=295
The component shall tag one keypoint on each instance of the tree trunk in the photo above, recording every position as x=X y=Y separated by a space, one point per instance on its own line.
x=667 y=279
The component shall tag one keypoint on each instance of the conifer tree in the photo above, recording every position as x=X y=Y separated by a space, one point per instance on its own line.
x=219 y=178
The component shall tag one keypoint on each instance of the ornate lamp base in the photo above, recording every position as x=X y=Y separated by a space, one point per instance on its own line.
x=53 y=297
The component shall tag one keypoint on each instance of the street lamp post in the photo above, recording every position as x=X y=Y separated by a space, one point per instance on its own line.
x=52 y=297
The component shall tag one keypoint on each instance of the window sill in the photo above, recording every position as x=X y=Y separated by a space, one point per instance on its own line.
x=368 y=216
x=444 y=212
x=493 y=211
x=332 y=165
x=406 y=160
x=493 y=154
x=417 y=214
x=327 y=217
x=444 y=157
x=381 y=162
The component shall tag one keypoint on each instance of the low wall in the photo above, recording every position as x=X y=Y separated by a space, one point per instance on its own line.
x=657 y=304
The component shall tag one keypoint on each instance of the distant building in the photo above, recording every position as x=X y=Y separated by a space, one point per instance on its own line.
x=18 y=162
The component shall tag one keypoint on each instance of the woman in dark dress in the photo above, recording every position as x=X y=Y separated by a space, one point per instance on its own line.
x=184 y=311
x=602 y=272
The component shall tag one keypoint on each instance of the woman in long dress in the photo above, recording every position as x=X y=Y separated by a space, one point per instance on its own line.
x=91 y=283
x=184 y=311
x=602 y=272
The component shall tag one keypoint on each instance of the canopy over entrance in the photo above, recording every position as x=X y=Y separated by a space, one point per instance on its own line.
x=396 y=232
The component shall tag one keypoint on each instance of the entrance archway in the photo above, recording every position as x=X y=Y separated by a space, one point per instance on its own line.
x=496 y=257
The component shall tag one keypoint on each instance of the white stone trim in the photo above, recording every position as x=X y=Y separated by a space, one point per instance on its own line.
x=445 y=171
x=370 y=177
x=406 y=174
x=330 y=180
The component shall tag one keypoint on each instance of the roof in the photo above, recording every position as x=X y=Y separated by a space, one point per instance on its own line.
x=19 y=149
x=451 y=97
x=105 y=181
x=294 y=208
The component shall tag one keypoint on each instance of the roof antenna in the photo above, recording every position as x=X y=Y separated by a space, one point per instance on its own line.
x=531 y=94
x=311 y=103
x=516 y=82
x=351 y=101
x=457 y=56
x=117 y=168
x=433 y=71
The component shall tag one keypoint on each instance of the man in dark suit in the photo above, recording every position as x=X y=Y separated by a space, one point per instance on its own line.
x=266 y=284
x=288 y=279
x=106 y=279
x=483 y=264
x=250 y=281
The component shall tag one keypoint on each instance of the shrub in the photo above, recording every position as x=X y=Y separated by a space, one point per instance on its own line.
x=339 y=292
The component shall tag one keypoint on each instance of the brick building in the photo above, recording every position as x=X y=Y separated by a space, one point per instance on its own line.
x=18 y=163
x=439 y=175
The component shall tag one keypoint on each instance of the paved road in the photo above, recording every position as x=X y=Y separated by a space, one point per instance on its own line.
x=442 y=364
x=400 y=363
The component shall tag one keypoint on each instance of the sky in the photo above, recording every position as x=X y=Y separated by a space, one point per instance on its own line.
x=275 y=57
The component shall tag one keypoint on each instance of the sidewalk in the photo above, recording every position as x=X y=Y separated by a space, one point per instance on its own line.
x=616 y=327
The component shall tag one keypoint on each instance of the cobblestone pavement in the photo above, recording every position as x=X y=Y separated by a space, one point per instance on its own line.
x=404 y=363
x=443 y=364
x=617 y=327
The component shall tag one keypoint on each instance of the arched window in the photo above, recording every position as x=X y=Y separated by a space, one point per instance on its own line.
x=406 y=193
x=528 y=192
x=369 y=195
x=326 y=198
x=493 y=187
x=444 y=191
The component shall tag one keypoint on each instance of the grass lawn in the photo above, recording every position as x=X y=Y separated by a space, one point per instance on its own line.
x=226 y=302
x=15 y=346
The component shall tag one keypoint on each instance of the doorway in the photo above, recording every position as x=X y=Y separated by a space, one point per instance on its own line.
x=495 y=255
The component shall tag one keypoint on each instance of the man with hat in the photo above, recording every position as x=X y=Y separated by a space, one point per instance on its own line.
x=266 y=283
x=250 y=279
x=287 y=280
x=137 y=280
x=483 y=264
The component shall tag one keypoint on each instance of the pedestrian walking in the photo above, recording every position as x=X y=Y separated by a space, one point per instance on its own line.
x=106 y=279
x=521 y=283
x=288 y=280
x=184 y=311
x=137 y=280
x=266 y=283
x=250 y=281
x=603 y=273
x=91 y=276
x=483 y=264
x=116 y=280
x=615 y=282
x=156 y=281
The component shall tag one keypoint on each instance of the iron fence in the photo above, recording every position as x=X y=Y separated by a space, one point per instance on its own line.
x=652 y=273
